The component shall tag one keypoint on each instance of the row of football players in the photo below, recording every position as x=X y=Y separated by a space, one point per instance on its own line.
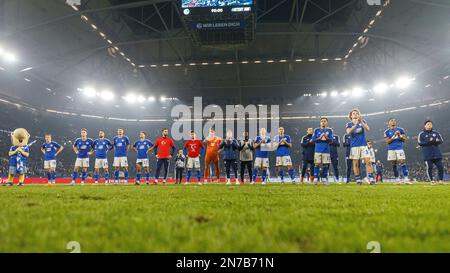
x=318 y=151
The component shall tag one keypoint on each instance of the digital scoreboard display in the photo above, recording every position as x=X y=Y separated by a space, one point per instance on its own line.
x=197 y=7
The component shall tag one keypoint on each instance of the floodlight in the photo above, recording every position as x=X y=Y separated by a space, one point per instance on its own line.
x=107 y=95
x=380 y=88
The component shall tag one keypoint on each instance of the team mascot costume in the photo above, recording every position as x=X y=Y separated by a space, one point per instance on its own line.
x=19 y=152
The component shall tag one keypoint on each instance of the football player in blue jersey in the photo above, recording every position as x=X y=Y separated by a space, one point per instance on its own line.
x=357 y=128
x=283 y=157
x=322 y=136
x=121 y=145
x=51 y=150
x=142 y=147
x=101 y=147
x=262 y=146
x=83 y=149
x=395 y=137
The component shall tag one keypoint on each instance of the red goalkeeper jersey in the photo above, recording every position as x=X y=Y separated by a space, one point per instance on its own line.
x=193 y=147
x=164 y=146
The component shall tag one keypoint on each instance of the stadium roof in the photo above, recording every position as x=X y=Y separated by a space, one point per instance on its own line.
x=300 y=47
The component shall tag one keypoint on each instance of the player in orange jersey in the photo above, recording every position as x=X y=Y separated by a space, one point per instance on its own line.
x=212 y=143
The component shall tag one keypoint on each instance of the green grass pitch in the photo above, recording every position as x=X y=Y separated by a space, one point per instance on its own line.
x=219 y=218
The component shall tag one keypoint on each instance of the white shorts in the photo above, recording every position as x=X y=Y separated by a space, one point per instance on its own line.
x=82 y=162
x=261 y=162
x=283 y=161
x=394 y=155
x=357 y=153
x=322 y=158
x=193 y=163
x=101 y=163
x=144 y=162
x=49 y=164
x=120 y=162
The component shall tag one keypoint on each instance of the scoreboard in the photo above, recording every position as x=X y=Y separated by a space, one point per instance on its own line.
x=219 y=22
x=205 y=7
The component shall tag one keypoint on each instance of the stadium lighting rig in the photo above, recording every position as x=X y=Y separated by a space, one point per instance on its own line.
x=107 y=95
x=102 y=35
x=130 y=98
x=7 y=55
x=357 y=92
x=222 y=62
x=370 y=25
x=403 y=83
x=380 y=88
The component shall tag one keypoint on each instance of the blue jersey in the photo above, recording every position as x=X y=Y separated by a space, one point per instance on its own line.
x=397 y=144
x=283 y=149
x=322 y=143
x=101 y=147
x=13 y=159
x=261 y=153
x=142 y=147
x=120 y=145
x=83 y=147
x=358 y=136
x=50 y=150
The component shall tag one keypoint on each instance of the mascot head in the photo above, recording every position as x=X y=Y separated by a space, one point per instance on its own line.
x=20 y=137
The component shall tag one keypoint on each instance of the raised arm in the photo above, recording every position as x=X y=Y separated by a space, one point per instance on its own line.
x=364 y=125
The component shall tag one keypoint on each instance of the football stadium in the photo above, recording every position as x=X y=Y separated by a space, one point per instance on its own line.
x=224 y=126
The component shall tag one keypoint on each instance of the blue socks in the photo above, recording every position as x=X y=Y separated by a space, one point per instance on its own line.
x=106 y=177
x=255 y=174
x=147 y=177
x=116 y=175
x=49 y=177
x=316 y=172
x=405 y=170
x=264 y=175
x=74 y=176
x=188 y=176
x=126 y=175
x=199 y=175
x=138 y=177
x=291 y=174
x=83 y=176
x=96 y=177
x=54 y=177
